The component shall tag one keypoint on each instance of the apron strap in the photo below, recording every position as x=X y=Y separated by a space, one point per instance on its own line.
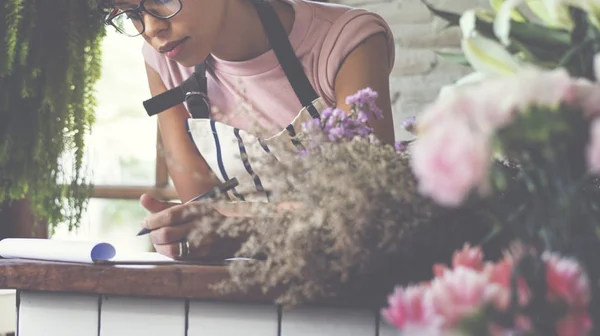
x=194 y=89
x=286 y=55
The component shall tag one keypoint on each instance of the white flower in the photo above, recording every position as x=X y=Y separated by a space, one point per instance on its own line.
x=484 y=55
x=502 y=21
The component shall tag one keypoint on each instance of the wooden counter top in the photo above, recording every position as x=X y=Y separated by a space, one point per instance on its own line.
x=166 y=281
x=176 y=281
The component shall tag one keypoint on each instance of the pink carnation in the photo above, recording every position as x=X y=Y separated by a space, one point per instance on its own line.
x=593 y=149
x=494 y=102
x=450 y=161
x=469 y=257
x=500 y=274
x=460 y=293
x=566 y=280
x=408 y=309
x=439 y=306
x=451 y=155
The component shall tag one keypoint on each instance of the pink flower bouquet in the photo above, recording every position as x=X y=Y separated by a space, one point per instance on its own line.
x=459 y=134
x=473 y=297
x=527 y=147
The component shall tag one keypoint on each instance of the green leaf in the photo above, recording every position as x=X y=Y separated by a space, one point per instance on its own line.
x=525 y=32
x=534 y=54
x=47 y=104
x=540 y=35
x=452 y=18
x=531 y=34
x=455 y=57
x=574 y=51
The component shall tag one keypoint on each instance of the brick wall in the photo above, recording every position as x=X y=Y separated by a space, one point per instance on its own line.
x=418 y=73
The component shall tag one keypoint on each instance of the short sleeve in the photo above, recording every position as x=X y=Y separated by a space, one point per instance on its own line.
x=346 y=33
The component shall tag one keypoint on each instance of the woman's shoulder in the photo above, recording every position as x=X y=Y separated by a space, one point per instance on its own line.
x=335 y=31
x=336 y=28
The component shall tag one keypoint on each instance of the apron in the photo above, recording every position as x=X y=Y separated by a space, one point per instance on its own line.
x=231 y=152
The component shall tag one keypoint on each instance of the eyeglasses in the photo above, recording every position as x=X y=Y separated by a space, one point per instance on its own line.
x=130 y=21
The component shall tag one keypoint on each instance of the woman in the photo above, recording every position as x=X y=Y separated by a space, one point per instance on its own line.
x=273 y=57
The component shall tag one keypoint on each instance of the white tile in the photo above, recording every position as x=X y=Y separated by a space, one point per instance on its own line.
x=232 y=319
x=318 y=321
x=133 y=316
x=8 y=311
x=57 y=314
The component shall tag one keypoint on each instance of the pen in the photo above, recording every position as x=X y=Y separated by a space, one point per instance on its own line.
x=211 y=194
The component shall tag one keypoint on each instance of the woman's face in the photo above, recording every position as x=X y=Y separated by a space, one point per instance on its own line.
x=189 y=36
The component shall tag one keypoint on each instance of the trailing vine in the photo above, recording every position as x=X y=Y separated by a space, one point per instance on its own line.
x=50 y=59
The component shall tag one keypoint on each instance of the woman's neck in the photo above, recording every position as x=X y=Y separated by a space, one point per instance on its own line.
x=242 y=36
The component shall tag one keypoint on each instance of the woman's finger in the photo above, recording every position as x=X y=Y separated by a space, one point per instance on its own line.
x=170 y=234
x=173 y=250
x=153 y=205
x=175 y=215
x=170 y=250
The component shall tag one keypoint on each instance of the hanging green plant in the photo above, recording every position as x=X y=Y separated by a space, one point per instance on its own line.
x=50 y=59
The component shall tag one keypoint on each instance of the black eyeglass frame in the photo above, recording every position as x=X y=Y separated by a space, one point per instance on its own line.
x=138 y=13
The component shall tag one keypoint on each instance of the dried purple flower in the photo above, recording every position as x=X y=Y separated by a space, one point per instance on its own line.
x=365 y=100
x=362 y=97
x=400 y=146
x=409 y=124
x=336 y=125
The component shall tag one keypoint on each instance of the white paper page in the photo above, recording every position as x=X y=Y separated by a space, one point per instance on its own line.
x=142 y=257
x=79 y=252
x=56 y=250
x=151 y=257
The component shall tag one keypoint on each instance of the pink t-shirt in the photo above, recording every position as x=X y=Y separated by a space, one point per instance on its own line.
x=257 y=90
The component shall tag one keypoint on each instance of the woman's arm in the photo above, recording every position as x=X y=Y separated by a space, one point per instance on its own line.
x=367 y=66
x=190 y=173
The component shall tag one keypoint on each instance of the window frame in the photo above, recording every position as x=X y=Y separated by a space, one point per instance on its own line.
x=161 y=190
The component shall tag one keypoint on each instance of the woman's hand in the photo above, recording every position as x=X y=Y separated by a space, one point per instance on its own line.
x=171 y=224
x=168 y=224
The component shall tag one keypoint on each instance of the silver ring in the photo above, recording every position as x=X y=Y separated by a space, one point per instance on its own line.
x=184 y=248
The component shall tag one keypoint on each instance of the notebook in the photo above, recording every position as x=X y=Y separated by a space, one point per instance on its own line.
x=86 y=252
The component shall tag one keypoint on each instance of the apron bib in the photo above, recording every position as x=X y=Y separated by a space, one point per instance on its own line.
x=231 y=152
